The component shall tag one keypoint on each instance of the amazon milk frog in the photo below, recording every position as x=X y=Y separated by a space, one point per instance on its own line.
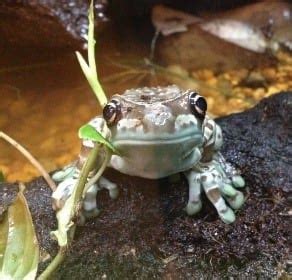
x=159 y=132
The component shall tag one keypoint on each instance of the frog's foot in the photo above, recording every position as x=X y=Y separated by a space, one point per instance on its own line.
x=63 y=192
x=65 y=173
x=218 y=188
x=110 y=186
x=90 y=209
x=70 y=175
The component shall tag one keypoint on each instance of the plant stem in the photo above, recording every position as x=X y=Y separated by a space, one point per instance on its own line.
x=91 y=42
x=99 y=172
x=89 y=69
x=31 y=158
x=77 y=193
x=87 y=167
x=54 y=264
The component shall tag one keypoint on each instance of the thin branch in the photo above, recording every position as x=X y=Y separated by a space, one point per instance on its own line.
x=30 y=158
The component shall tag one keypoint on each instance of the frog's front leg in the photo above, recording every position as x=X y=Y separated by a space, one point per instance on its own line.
x=194 y=204
x=219 y=186
x=66 y=186
x=68 y=177
x=90 y=208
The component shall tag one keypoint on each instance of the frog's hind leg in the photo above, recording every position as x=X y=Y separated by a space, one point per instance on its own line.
x=194 y=204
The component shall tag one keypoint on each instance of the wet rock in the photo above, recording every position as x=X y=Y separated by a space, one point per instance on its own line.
x=268 y=17
x=145 y=233
x=258 y=141
x=45 y=24
x=198 y=49
x=256 y=28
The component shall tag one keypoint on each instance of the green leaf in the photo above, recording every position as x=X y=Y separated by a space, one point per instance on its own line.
x=90 y=70
x=19 y=250
x=64 y=217
x=88 y=132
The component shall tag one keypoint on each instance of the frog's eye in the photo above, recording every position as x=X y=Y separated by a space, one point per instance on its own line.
x=112 y=112
x=198 y=105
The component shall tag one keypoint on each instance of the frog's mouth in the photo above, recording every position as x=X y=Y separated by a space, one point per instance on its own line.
x=185 y=129
x=196 y=138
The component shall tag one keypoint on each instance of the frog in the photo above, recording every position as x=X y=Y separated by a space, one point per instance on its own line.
x=160 y=132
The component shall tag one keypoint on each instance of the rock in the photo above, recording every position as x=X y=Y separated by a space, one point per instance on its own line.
x=198 y=49
x=269 y=18
x=266 y=131
x=145 y=234
x=45 y=24
x=252 y=35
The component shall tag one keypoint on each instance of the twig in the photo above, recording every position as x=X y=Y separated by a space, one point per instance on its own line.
x=153 y=44
x=30 y=158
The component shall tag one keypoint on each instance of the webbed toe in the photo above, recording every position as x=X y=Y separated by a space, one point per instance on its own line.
x=236 y=201
x=238 y=181
x=227 y=216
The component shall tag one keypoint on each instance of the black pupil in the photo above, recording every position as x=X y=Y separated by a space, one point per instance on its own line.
x=108 y=112
x=202 y=104
x=198 y=105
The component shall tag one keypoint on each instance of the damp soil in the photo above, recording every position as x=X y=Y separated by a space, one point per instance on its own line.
x=145 y=233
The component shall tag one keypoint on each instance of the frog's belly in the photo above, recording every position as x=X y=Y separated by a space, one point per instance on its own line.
x=156 y=160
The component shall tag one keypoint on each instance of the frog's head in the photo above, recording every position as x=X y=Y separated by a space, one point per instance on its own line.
x=155 y=115
x=158 y=131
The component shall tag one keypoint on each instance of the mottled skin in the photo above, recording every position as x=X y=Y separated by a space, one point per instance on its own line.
x=158 y=135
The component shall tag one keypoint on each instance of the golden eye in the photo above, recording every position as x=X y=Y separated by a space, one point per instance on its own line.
x=198 y=105
x=112 y=112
